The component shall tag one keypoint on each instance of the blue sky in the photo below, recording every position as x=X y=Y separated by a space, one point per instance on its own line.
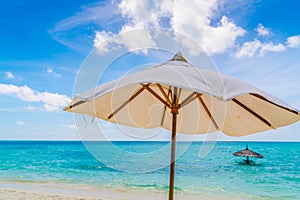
x=43 y=45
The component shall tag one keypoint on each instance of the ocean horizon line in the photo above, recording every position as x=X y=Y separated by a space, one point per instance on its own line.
x=197 y=141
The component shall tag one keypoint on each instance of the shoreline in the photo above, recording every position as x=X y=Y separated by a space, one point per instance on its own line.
x=52 y=191
x=17 y=190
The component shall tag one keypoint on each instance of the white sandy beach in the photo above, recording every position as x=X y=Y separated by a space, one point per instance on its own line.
x=35 y=191
x=30 y=191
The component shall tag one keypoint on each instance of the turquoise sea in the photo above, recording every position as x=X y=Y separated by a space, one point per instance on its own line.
x=142 y=165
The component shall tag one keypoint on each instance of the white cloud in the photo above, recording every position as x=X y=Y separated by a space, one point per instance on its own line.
x=100 y=40
x=95 y=13
x=249 y=49
x=101 y=14
x=193 y=19
x=9 y=75
x=201 y=21
x=132 y=39
x=50 y=101
x=137 y=39
x=134 y=10
x=20 y=123
x=256 y=47
x=271 y=48
x=52 y=72
x=293 y=41
x=263 y=31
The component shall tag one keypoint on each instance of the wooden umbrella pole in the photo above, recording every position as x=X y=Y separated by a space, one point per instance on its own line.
x=174 y=111
x=173 y=151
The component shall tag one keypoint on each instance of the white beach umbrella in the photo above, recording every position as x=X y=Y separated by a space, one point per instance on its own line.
x=183 y=98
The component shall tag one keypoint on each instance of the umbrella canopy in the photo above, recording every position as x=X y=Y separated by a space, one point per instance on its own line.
x=247 y=153
x=183 y=98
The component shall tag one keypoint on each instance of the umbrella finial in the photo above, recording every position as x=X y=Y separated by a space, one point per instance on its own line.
x=178 y=57
x=247 y=147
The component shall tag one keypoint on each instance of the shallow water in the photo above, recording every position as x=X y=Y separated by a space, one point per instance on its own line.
x=144 y=165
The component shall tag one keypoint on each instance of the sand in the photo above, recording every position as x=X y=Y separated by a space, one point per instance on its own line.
x=37 y=191
x=10 y=190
